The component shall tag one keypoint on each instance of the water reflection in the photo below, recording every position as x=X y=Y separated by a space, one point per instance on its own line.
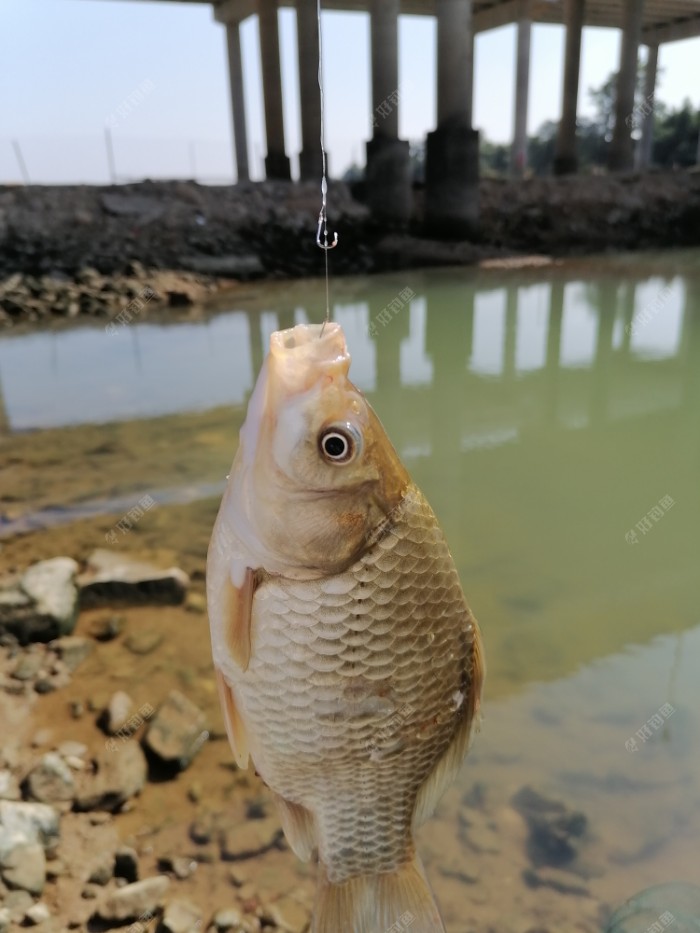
x=454 y=328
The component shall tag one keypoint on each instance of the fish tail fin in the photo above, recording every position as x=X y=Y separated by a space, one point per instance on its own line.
x=389 y=902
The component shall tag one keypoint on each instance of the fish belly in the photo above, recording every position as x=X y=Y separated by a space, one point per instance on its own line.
x=356 y=686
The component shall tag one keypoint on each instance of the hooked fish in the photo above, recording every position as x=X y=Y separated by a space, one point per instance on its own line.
x=349 y=665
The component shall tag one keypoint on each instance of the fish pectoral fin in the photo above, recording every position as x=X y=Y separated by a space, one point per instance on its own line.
x=237 y=605
x=235 y=727
x=298 y=826
x=449 y=764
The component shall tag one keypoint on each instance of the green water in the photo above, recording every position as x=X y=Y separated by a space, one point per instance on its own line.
x=552 y=417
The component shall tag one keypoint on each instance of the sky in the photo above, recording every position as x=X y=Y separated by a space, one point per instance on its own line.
x=68 y=66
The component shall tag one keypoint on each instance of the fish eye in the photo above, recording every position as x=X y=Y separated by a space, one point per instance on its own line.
x=339 y=443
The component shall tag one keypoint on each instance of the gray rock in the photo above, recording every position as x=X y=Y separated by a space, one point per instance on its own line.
x=72 y=650
x=229 y=919
x=135 y=900
x=181 y=916
x=70 y=749
x=50 y=584
x=25 y=823
x=143 y=642
x=119 y=775
x=45 y=603
x=37 y=913
x=25 y=867
x=29 y=663
x=51 y=781
x=233 y=920
x=251 y=838
x=5 y=918
x=176 y=733
x=102 y=869
x=117 y=713
x=9 y=786
x=112 y=579
x=18 y=903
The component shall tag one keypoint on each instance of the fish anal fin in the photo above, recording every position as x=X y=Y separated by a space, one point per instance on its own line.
x=235 y=727
x=237 y=605
x=449 y=764
x=298 y=826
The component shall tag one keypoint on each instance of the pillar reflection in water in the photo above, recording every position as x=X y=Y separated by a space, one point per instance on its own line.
x=607 y=296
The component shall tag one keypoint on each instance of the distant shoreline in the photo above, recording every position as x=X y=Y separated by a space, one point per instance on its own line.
x=91 y=251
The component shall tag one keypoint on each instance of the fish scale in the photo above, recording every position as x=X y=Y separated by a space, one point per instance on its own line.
x=404 y=597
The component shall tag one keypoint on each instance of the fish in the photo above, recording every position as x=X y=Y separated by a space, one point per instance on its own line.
x=349 y=665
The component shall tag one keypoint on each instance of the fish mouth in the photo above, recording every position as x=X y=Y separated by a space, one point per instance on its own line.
x=302 y=354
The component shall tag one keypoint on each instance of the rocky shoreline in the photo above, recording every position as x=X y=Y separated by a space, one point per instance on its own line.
x=73 y=251
x=129 y=814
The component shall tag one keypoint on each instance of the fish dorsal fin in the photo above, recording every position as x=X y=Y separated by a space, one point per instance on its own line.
x=235 y=727
x=237 y=608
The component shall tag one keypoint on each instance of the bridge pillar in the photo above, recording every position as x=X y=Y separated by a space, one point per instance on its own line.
x=644 y=147
x=518 y=157
x=235 y=70
x=388 y=164
x=310 y=160
x=276 y=161
x=452 y=149
x=565 y=156
x=622 y=148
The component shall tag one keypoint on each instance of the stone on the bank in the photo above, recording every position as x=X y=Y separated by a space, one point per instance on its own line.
x=18 y=903
x=50 y=584
x=143 y=898
x=44 y=604
x=113 y=578
x=101 y=869
x=288 y=914
x=72 y=650
x=5 y=919
x=181 y=916
x=117 y=712
x=24 y=867
x=9 y=786
x=51 y=781
x=233 y=920
x=229 y=919
x=251 y=838
x=120 y=773
x=176 y=733
x=143 y=642
x=29 y=663
x=37 y=913
x=25 y=823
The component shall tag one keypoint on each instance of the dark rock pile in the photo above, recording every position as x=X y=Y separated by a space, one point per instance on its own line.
x=80 y=250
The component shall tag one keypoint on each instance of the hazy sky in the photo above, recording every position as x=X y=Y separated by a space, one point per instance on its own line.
x=66 y=66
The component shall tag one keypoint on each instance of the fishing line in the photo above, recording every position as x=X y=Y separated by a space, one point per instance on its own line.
x=322 y=217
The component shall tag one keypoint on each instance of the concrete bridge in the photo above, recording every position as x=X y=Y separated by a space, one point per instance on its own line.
x=452 y=148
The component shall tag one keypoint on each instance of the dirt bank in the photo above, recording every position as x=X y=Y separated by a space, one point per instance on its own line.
x=79 y=250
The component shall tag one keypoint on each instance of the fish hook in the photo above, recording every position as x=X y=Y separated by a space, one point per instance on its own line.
x=323 y=229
